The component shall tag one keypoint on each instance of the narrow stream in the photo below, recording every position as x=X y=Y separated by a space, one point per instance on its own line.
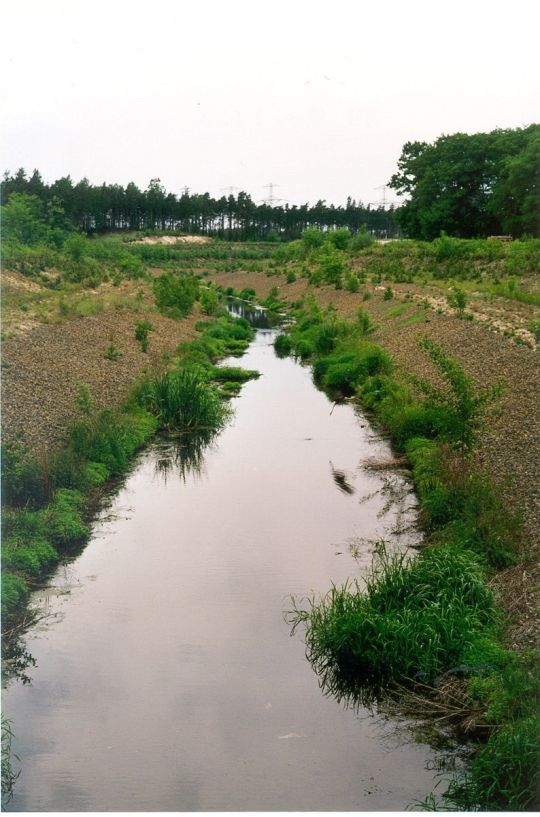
x=166 y=678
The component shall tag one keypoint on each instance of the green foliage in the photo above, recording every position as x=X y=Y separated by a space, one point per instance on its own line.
x=361 y=241
x=466 y=404
x=345 y=371
x=283 y=345
x=111 y=437
x=470 y=185
x=175 y=294
x=340 y=239
x=112 y=352
x=64 y=518
x=142 y=328
x=209 y=301
x=416 y=617
x=388 y=294
x=23 y=220
x=23 y=478
x=83 y=400
x=504 y=774
x=75 y=247
x=312 y=238
x=457 y=299
x=184 y=399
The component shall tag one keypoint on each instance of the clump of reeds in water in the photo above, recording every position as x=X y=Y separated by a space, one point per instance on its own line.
x=184 y=399
x=416 y=618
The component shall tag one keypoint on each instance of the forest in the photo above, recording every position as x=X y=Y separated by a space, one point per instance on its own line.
x=107 y=207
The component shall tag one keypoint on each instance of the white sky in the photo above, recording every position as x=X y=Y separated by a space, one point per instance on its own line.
x=318 y=98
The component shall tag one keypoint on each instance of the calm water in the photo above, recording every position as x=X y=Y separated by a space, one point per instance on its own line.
x=166 y=677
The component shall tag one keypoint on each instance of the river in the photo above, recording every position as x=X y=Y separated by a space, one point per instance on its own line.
x=166 y=678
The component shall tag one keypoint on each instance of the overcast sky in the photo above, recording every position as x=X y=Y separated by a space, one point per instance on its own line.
x=317 y=98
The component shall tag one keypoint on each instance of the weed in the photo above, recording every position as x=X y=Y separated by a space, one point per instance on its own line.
x=142 y=328
x=112 y=352
x=388 y=294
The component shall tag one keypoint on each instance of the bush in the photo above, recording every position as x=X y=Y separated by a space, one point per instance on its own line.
x=23 y=477
x=345 y=371
x=175 y=294
x=283 y=345
x=142 y=328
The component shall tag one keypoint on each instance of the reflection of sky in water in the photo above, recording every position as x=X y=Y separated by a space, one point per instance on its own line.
x=171 y=681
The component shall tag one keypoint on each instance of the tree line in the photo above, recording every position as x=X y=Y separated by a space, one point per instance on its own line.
x=471 y=185
x=106 y=207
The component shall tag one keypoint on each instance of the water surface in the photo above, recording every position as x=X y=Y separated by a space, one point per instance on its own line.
x=166 y=677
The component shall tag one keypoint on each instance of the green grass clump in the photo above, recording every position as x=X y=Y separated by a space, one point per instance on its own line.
x=184 y=399
x=416 y=618
x=234 y=374
x=111 y=437
x=504 y=774
x=345 y=371
x=15 y=592
x=64 y=518
x=283 y=345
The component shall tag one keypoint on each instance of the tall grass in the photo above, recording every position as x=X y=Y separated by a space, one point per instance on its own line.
x=184 y=399
x=417 y=618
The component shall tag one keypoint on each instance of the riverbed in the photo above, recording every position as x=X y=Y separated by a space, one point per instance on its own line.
x=166 y=677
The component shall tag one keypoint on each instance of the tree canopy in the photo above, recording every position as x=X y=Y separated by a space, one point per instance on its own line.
x=92 y=208
x=471 y=185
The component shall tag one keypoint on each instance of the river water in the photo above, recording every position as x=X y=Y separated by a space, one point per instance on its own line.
x=166 y=678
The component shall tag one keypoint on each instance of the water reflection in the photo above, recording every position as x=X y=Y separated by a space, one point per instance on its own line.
x=257 y=316
x=341 y=480
x=183 y=454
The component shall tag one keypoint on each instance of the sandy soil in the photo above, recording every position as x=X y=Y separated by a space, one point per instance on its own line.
x=173 y=239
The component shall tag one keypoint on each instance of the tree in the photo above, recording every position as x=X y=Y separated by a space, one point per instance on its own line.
x=466 y=185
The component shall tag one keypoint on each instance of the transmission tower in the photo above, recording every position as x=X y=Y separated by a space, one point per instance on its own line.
x=384 y=188
x=229 y=189
x=271 y=200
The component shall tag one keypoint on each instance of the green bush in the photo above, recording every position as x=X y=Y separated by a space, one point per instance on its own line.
x=283 y=345
x=345 y=371
x=23 y=478
x=14 y=593
x=175 y=294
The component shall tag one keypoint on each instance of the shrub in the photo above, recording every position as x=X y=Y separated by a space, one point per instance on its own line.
x=175 y=294
x=457 y=299
x=465 y=404
x=209 y=301
x=14 y=594
x=142 y=328
x=23 y=478
x=345 y=371
x=283 y=345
